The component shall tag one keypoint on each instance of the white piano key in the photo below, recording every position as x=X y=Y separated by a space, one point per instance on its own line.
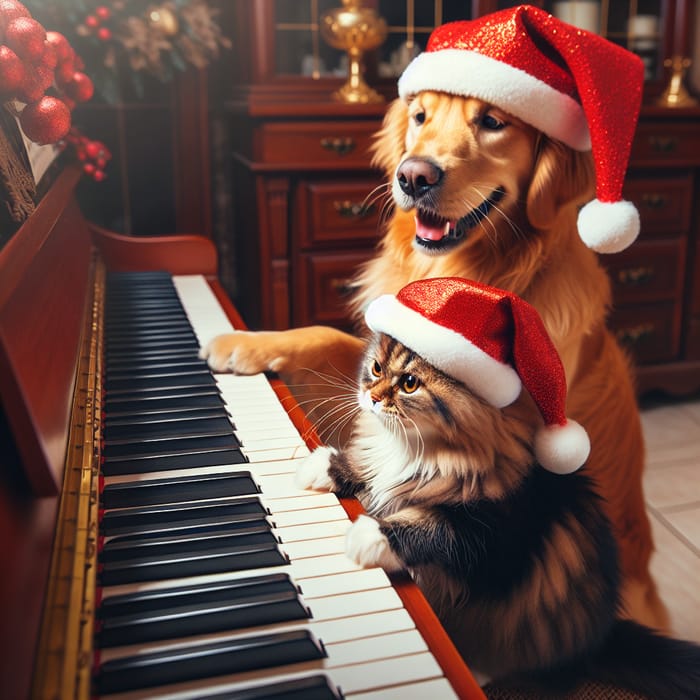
x=311 y=531
x=313 y=548
x=352 y=582
x=438 y=689
x=357 y=651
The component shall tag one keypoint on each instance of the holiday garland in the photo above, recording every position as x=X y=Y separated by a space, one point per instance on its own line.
x=135 y=39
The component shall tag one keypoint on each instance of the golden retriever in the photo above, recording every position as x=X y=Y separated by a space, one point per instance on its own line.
x=483 y=195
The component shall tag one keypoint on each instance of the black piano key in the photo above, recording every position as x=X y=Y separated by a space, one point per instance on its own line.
x=310 y=688
x=217 y=561
x=155 y=518
x=202 y=618
x=170 y=400
x=137 y=385
x=191 y=426
x=117 y=423
x=207 y=456
x=178 y=489
x=208 y=660
x=156 y=367
x=171 y=446
x=164 y=598
x=201 y=529
x=140 y=355
x=160 y=546
x=192 y=620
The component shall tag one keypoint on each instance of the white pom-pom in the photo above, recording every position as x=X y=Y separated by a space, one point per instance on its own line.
x=608 y=227
x=562 y=449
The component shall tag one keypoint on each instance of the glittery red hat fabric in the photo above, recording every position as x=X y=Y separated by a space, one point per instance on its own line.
x=573 y=85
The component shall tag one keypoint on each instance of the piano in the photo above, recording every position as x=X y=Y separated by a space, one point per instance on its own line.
x=152 y=542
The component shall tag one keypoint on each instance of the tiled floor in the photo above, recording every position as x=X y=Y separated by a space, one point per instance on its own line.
x=672 y=491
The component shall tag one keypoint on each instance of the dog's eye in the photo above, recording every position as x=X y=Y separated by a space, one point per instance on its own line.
x=419 y=117
x=488 y=121
x=376 y=369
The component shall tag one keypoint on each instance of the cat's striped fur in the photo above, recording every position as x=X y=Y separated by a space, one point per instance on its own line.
x=519 y=563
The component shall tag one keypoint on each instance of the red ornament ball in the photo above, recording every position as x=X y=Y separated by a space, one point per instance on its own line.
x=60 y=43
x=45 y=121
x=11 y=71
x=80 y=88
x=25 y=36
x=104 y=34
x=9 y=10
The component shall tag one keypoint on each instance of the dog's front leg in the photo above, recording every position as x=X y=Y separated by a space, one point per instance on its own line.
x=318 y=363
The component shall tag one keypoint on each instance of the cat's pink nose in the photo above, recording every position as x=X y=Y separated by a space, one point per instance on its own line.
x=375 y=399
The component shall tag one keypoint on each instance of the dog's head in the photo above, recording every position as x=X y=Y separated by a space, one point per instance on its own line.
x=468 y=170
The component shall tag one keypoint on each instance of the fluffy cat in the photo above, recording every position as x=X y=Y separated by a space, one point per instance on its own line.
x=518 y=562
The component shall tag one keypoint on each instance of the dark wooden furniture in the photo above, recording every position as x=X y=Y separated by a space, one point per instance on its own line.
x=52 y=287
x=307 y=211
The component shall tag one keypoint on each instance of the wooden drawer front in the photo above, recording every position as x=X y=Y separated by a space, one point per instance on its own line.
x=324 y=286
x=664 y=204
x=648 y=271
x=341 y=212
x=672 y=144
x=649 y=332
x=316 y=144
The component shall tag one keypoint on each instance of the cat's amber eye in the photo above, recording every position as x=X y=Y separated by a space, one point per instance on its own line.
x=409 y=383
x=376 y=369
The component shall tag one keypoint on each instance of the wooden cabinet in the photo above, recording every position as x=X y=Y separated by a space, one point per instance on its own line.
x=305 y=218
x=656 y=311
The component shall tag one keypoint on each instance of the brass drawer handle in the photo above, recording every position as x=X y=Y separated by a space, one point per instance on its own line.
x=338 y=144
x=630 y=336
x=634 y=276
x=353 y=210
x=654 y=201
x=663 y=144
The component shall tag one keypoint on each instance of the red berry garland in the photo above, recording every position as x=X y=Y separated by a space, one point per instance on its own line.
x=34 y=62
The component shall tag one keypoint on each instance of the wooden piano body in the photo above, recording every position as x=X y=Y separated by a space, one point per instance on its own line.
x=52 y=276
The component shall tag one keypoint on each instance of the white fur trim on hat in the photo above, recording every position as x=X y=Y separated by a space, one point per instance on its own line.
x=608 y=227
x=472 y=74
x=449 y=351
x=562 y=449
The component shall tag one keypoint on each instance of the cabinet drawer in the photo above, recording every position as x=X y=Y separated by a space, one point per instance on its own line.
x=307 y=145
x=649 y=332
x=324 y=286
x=664 y=204
x=340 y=212
x=648 y=271
x=672 y=143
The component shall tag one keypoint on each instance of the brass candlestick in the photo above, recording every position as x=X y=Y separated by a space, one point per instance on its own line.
x=676 y=95
x=355 y=29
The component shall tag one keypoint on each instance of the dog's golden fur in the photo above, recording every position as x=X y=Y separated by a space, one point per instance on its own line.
x=528 y=244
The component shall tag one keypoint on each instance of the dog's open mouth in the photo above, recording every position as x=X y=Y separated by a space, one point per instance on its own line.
x=436 y=234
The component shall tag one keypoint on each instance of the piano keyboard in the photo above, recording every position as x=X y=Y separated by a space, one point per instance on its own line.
x=218 y=578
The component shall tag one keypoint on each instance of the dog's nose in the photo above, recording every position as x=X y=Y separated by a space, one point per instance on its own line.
x=417 y=176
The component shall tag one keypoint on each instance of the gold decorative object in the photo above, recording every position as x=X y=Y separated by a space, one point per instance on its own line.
x=676 y=95
x=165 y=20
x=355 y=29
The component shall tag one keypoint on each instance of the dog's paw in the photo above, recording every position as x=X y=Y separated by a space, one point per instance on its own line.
x=240 y=352
x=312 y=473
x=367 y=546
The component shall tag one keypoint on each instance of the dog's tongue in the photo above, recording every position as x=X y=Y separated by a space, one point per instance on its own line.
x=430 y=232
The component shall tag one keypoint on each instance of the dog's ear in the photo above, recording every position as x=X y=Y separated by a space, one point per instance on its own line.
x=561 y=177
x=390 y=141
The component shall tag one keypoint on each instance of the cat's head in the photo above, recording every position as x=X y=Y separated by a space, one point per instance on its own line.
x=409 y=395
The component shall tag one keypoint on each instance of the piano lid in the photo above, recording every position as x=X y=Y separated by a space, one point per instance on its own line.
x=46 y=272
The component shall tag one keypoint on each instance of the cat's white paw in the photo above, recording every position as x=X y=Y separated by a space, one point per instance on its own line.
x=367 y=546
x=312 y=473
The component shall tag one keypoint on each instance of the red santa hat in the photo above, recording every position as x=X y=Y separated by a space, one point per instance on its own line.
x=494 y=343
x=571 y=84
